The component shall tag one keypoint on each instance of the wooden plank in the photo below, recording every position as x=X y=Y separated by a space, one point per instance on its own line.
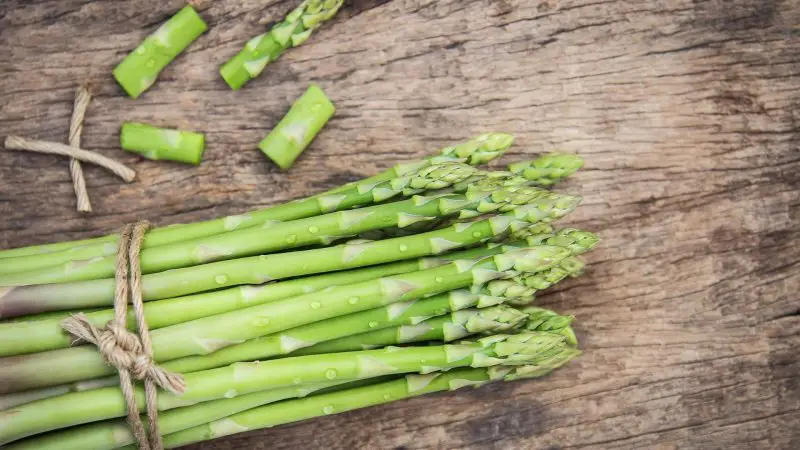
x=688 y=113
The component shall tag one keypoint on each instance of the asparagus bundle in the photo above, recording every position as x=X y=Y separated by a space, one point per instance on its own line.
x=257 y=311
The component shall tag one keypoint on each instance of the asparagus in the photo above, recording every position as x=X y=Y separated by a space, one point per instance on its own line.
x=548 y=169
x=278 y=236
x=474 y=152
x=540 y=319
x=162 y=144
x=242 y=378
x=89 y=263
x=456 y=325
x=113 y=434
x=138 y=71
x=20 y=300
x=265 y=48
x=22 y=338
x=361 y=397
x=204 y=336
x=298 y=128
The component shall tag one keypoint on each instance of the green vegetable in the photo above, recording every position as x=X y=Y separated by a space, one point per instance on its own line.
x=268 y=47
x=480 y=150
x=298 y=128
x=21 y=338
x=204 y=336
x=138 y=71
x=542 y=206
x=361 y=397
x=162 y=144
x=274 y=237
x=548 y=169
x=242 y=378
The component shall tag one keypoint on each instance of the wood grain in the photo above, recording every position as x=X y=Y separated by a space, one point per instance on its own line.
x=688 y=113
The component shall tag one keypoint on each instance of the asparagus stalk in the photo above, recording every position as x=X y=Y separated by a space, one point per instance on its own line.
x=20 y=300
x=265 y=48
x=540 y=319
x=242 y=378
x=279 y=236
x=204 y=336
x=548 y=169
x=138 y=71
x=361 y=397
x=298 y=128
x=162 y=144
x=22 y=338
x=113 y=434
x=96 y=261
x=474 y=152
x=456 y=325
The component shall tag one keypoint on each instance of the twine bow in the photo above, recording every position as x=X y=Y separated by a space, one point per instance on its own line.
x=130 y=354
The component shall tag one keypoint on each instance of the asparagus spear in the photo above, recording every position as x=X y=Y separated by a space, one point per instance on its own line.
x=474 y=152
x=298 y=127
x=361 y=397
x=204 y=336
x=268 y=47
x=20 y=300
x=548 y=169
x=86 y=259
x=113 y=434
x=162 y=144
x=17 y=339
x=242 y=378
x=540 y=319
x=278 y=236
x=456 y=325
x=138 y=71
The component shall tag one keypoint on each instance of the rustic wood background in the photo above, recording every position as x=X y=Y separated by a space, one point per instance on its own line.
x=688 y=114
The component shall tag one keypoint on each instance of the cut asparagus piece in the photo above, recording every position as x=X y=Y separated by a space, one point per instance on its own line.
x=242 y=378
x=474 y=152
x=20 y=300
x=162 y=144
x=298 y=127
x=139 y=70
x=204 y=336
x=268 y=47
x=22 y=338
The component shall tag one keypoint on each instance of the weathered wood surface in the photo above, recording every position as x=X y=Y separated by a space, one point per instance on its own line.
x=688 y=113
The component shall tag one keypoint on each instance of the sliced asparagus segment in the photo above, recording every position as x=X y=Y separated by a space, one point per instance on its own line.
x=162 y=144
x=138 y=71
x=298 y=127
x=263 y=49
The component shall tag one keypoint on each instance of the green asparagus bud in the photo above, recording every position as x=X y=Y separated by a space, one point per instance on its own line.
x=548 y=169
x=540 y=319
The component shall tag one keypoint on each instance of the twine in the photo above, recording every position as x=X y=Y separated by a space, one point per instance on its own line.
x=130 y=354
x=54 y=148
x=82 y=99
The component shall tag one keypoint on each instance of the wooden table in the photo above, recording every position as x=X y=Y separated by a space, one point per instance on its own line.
x=687 y=112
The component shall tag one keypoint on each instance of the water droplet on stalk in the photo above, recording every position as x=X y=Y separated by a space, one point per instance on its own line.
x=353 y=300
x=221 y=279
x=373 y=324
x=328 y=409
x=330 y=374
x=313 y=229
x=316 y=305
x=291 y=239
x=403 y=248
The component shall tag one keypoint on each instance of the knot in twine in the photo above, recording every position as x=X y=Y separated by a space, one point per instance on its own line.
x=130 y=354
